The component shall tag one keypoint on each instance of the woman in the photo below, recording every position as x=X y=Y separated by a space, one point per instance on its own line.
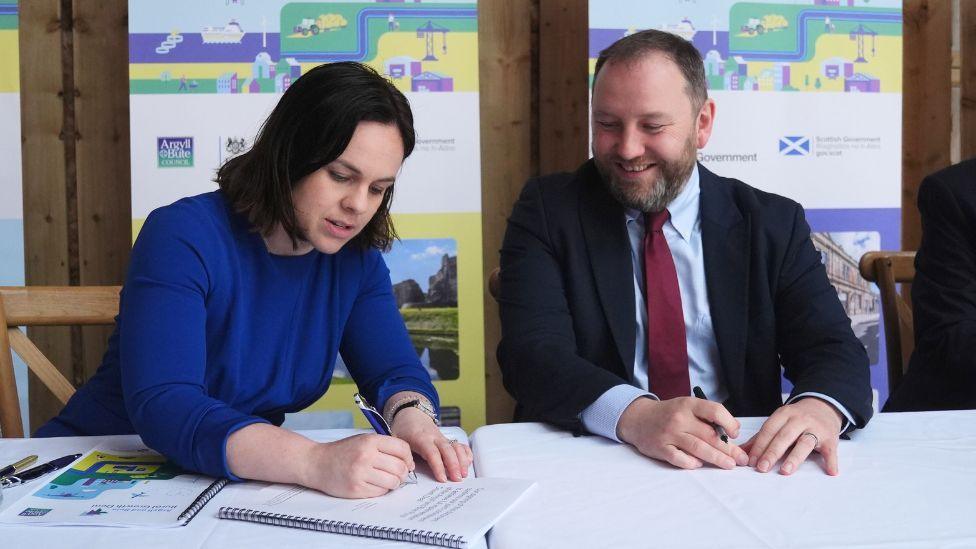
x=236 y=303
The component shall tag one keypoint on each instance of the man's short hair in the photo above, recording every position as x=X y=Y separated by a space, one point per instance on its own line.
x=680 y=51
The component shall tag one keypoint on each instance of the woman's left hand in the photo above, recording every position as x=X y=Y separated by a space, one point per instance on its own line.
x=448 y=459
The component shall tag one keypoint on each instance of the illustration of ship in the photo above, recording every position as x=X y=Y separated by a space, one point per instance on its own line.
x=683 y=29
x=230 y=34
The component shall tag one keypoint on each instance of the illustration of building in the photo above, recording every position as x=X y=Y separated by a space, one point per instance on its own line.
x=835 y=67
x=781 y=76
x=251 y=85
x=227 y=83
x=402 y=65
x=282 y=82
x=431 y=82
x=289 y=66
x=860 y=82
x=736 y=70
x=262 y=67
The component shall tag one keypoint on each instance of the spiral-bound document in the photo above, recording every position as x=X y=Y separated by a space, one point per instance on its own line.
x=445 y=514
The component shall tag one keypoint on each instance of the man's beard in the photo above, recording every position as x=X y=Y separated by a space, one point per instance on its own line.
x=673 y=174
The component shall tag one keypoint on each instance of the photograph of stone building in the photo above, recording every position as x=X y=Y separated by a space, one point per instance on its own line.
x=840 y=253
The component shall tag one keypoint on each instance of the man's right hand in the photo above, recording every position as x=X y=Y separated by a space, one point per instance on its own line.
x=679 y=431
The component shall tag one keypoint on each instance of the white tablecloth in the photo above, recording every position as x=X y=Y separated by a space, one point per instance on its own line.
x=908 y=480
x=204 y=531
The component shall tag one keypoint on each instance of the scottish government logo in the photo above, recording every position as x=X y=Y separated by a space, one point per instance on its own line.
x=796 y=145
x=174 y=152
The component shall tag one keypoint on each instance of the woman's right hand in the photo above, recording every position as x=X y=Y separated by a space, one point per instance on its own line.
x=361 y=466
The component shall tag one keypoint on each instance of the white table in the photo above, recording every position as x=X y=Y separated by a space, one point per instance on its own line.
x=908 y=480
x=204 y=531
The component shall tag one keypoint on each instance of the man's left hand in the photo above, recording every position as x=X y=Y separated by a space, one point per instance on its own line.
x=807 y=425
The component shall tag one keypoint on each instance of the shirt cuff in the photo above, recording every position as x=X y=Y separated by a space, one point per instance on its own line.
x=829 y=400
x=601 y=417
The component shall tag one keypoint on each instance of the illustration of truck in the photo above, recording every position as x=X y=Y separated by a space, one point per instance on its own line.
x=323 y=23
x=755 y=25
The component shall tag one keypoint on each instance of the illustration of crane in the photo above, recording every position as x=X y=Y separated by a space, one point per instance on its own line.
x=427 y=32
x=858 y=34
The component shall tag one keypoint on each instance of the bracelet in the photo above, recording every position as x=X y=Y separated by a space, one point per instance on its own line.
x=413 y=401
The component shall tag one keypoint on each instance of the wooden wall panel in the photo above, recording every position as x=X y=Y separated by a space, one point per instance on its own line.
x=926 y=98
x=44 y=179
x=505 y=35
x=102 y=155
x=967 y=78
x=563 y=96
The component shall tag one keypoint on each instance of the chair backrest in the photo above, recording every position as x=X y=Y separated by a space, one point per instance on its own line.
x=886 y=269
x=44 y=306
x=493 y=282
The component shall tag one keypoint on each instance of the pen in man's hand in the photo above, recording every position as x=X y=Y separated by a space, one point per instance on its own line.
x=39 y=471
x=379 y=424
x=719 y=430
x=17 y=466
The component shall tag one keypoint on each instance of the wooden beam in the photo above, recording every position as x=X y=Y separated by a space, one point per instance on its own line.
x=563 y=82
x=967 y=78
x=505 y=63
x=926 y=112
x=101 y=62
x=44 y=179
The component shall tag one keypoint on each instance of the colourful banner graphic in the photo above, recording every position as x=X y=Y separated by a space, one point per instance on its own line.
x=808 y=98
x=11 y=207
x=204 y=75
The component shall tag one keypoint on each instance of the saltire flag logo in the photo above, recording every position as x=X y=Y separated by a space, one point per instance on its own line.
x=796 y=145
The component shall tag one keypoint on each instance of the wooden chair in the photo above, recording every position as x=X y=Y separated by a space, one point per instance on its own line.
x=494 y=283
x=887 y=269
x=44 y=306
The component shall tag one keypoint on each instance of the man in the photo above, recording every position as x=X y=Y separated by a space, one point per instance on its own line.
x=725 y=288
x=942 y=371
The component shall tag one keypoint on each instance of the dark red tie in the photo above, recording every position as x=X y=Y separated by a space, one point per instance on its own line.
x=667 y=348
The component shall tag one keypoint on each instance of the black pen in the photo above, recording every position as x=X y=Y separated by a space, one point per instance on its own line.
x=719 y=430
x=39 y=471
x=17 y=466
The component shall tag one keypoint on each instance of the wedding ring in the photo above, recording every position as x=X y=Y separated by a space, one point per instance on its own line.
x=816 y=441
x=452 y=441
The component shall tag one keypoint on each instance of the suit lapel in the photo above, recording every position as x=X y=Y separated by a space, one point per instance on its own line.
x=725 y=243
x=608 y=246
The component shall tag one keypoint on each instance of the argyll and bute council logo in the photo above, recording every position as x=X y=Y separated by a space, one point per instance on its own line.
x=174 y=152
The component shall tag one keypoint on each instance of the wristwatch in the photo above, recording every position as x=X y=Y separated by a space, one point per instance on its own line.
x=413 y=402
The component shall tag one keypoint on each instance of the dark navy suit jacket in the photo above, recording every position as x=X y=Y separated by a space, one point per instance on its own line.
x=567 y=300
x=942 y=371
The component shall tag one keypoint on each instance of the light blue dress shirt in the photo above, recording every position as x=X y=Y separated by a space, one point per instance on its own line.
x=683 y=233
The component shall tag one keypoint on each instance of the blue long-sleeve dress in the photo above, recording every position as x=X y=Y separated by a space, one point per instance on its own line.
x=214 y=333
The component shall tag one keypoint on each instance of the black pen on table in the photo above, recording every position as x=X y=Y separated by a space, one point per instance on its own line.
x=17 y=466
x=719 y=430
x=39 y=471
x=379 y=424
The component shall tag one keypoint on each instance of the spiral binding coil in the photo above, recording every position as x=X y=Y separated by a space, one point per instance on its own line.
x=202 y=500
x=341 y=527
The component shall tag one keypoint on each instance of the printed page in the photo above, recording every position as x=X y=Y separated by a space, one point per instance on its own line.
x=111 y=486
x=468 y=508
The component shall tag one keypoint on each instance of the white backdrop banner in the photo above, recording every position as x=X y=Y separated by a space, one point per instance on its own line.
x=808 y=98
x=12 y=204
x=203 y=76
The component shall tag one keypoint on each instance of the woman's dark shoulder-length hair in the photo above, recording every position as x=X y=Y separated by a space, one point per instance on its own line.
x=309 y=128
